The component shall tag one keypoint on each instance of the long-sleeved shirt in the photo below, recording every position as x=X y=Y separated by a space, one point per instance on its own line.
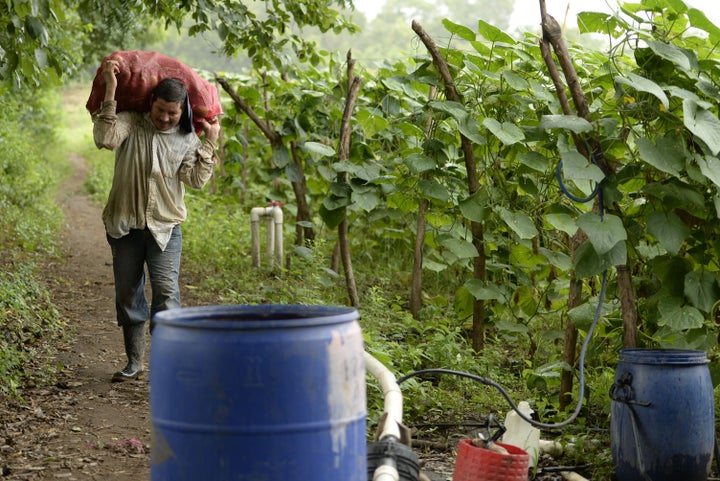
x=151 y=170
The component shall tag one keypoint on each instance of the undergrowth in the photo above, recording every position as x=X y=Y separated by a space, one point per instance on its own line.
x=30 y=167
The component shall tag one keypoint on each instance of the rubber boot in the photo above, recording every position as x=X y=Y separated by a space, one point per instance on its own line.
x=134 y=337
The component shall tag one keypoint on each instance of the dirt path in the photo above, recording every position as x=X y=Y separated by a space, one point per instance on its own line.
x=84 y=427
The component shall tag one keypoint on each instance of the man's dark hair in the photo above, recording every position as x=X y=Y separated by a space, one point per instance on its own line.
x=174 y=90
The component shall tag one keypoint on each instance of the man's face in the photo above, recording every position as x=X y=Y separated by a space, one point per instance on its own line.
x=165 y=115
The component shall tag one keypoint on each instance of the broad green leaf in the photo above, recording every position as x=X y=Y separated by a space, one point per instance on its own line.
x=318 y=149
x=668 y=229
x=484 y=291
x=494 y=34
x=534 y=161
x=434 y=190
x=475 y=207
x=331 y=217
x=460 y=30
x=419 y=163
x=470 y=128
x=698 y=19
x=563 y=222
x=584 y=314
x=572 y=123
x=515 y=81
x=603 y=233
x=460 y=248
x=663 y=156
x=703 y=123
x=710 y=167
x=281 y=156
x=455 y=109
x=588 y=263
x=511 y=327
x=520 y=223
x=596 y=22
x=643 y=84
x=701 y=289
x=506 y=132
x=577 y=167
x=433 y=266
x=676 y=316
x=370 y=122
x=685 y=59
x=367 y=201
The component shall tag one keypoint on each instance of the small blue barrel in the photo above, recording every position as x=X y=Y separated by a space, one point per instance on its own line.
x=662 y=423
x=258 y=393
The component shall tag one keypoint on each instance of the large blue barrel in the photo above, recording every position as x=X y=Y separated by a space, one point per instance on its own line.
x=662 y=422
x=258 y=393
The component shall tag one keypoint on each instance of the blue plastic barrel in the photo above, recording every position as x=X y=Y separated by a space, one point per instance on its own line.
x=662 y=422
x=258 y=393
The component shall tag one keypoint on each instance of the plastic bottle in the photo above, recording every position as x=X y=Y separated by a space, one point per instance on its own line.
x=521 y=433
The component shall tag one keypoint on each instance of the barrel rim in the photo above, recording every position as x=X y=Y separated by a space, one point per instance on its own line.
x=663 y=356
x=255 y=316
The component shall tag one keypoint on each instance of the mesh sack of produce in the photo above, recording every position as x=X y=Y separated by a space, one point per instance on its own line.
x=141 y=71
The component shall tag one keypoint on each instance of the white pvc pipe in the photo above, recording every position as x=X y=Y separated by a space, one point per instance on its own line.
x=392 y=396
x=274 y=216
x=386 y=473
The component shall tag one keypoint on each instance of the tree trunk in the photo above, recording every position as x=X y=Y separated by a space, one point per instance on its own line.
x=451 y=93
x=344 y=154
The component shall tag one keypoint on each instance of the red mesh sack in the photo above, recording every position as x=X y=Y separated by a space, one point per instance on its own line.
x=141 y=71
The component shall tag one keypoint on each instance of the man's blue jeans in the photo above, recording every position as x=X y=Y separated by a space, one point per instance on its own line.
x=130 y=255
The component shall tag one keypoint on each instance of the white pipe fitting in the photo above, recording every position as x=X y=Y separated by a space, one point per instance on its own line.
x=386 y=473
x=274 y=216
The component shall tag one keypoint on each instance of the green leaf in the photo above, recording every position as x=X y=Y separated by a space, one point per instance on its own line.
x=643 y=84
x=474 y=207
x=703 y=123
x=577 y=167
x=596 y=22
x=367 y=201
x=678 y=317
x=434 y=190
x=494 y=34
x=331 y=217
x=584 y=314
x=520 y=223
x=588 y=263
x=419 y=163
x=685 y=59
x=470 y=128
x=572 y=123
x=534 y=161
x=318 y=149
x=460 y=30
x=663 y=156
x=710 y=167
x=701 y=289
x=370 y=122
x=483 y=291
x=281 y=156
x=506 y=132
x=462 y=249
x=562 y=222
x=455 y=109
x=515 y=81
x=603 y=233
x=668 y=229
x=698 y=19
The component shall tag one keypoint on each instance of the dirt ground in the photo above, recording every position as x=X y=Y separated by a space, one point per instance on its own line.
x=85 y=427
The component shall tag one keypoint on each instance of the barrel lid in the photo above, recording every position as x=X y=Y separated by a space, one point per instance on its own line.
x=260 y=316
x=663 y=356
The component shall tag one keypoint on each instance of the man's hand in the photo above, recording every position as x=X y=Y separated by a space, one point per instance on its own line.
x=211 y=127
x=110 y=69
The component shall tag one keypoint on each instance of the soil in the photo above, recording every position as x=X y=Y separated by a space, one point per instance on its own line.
x=84 y=427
